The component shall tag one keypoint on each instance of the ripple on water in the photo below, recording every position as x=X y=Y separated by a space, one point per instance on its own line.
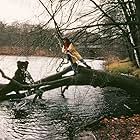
x=51 y=118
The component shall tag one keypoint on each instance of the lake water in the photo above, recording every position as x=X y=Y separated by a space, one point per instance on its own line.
x=53 y=117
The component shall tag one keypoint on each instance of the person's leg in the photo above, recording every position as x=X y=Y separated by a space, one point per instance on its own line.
x=74 y=67
x=82 y=60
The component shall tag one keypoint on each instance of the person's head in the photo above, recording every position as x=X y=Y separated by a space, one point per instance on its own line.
x=66 y=40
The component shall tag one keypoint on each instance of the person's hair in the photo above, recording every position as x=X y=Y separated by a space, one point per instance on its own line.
x=67 y=40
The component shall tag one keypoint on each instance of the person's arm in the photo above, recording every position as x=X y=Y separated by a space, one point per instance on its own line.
x=64 y=50
x=68 y=52
x=72 y=51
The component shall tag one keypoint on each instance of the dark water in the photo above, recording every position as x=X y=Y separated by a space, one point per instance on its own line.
x=56 y=118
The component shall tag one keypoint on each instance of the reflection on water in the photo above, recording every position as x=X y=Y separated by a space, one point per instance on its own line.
x=54 y=118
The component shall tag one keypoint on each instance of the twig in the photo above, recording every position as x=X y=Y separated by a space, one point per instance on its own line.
x=55 y=23
x=16 y=82
x=4 y=76
x=63 y=90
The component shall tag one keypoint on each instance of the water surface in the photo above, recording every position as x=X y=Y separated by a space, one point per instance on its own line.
x=53 y=117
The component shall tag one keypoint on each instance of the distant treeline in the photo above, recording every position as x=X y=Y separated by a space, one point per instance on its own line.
x=27 y=37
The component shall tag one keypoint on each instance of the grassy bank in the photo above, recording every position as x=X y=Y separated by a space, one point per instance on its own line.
x=125 y=66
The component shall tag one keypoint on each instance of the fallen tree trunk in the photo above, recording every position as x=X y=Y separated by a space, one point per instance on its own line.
x=84 y=77
x=99 y=78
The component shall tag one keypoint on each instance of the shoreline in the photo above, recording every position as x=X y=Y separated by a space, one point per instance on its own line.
x=25 y=51
x=113 y=128
x=123 y=127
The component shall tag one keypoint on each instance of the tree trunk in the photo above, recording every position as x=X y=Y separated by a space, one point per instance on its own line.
x=130 y=16
x=137 y=2
x=84 y=77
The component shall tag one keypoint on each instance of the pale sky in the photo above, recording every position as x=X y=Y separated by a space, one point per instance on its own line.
x=20 y=10
x=32 y=11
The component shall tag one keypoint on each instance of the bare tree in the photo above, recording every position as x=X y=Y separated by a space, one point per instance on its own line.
x=116 y=19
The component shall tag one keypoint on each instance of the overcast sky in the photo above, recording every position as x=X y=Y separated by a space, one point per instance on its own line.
x=19 y=10
x=32 y=11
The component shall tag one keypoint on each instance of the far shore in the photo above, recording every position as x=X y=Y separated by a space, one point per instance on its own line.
x=25 y=51
x=30 y=51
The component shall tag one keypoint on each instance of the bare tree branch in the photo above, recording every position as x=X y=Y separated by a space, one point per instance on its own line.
x=55 y=23
x=108 y=24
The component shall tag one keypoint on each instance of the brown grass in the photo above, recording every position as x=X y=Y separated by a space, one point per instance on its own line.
x=125 y=66
x=23 y=51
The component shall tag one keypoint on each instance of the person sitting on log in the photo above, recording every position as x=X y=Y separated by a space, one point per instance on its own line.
x=21 y=75
x=72 y=54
